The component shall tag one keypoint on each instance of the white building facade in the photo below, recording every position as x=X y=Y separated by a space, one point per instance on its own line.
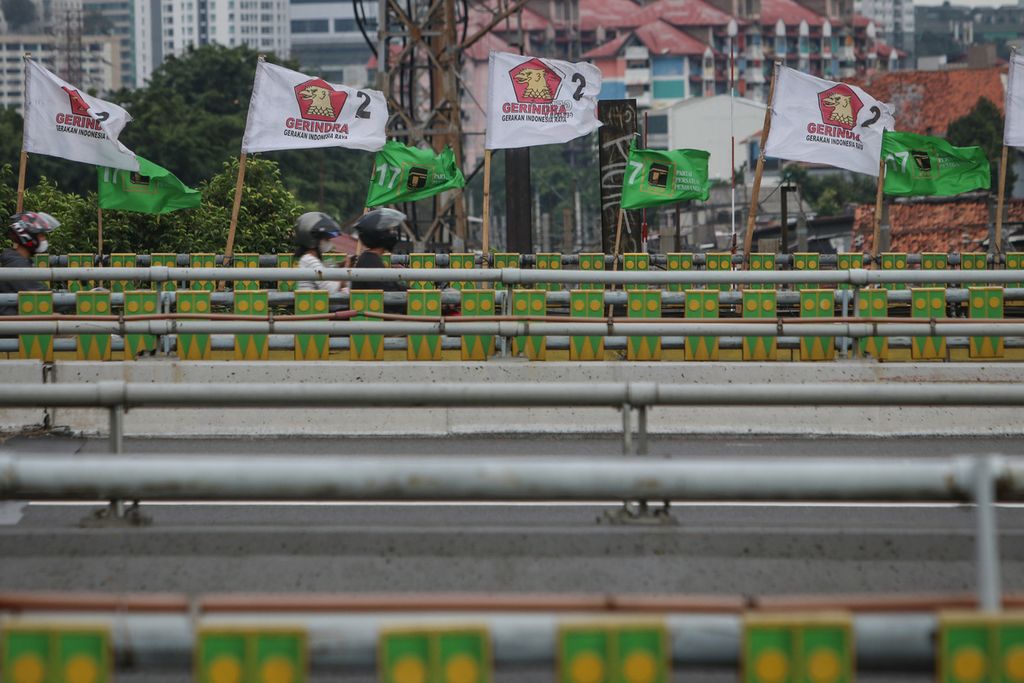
x=100 y=64
x=894 y=20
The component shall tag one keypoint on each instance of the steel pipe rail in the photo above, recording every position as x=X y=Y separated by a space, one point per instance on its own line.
x=109 y=394
x=216 y=477
x=779 y=327
x=514 y=276
x=901 y=641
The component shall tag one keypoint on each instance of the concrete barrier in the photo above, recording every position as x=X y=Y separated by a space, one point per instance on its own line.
x=768 y=420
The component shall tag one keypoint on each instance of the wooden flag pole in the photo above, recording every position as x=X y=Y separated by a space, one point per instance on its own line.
x=878 y=209
x=748 y=239
x=998 y=246
x=99 y=234
x=615 y=255
x=230 y=248
x=21 y=180
x=485 y=235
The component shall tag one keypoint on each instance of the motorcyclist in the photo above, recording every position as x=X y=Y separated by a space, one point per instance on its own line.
x=27 y=231
x=378 y=232
x=312 y=234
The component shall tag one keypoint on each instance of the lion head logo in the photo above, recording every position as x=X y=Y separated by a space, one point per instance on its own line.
x=839 y=106
x=535 y=81
x=78 y=104
x=319 y=101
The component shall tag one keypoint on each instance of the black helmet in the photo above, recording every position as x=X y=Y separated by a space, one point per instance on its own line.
x=379 y=228
x=313 y=227
x=29 y=229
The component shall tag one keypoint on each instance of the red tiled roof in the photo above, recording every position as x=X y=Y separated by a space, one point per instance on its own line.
x=480 y=50
x=662 y=39
x=959 y=224
x=861 y=20
x=685 y=13
x=883 y=50
x=791 y=13
x=609 y=14
x=609 y=49
x=928 y=101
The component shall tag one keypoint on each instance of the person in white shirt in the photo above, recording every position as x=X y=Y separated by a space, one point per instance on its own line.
x=312 y=235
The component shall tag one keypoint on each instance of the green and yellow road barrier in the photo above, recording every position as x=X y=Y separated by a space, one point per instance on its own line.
x=718 y=262
x=93 y=346
x=122 y=261
x=973 y=261
x=586 y=304
x=548 y=261
x=928 y=303
x=678 y=261
x=590 y=262
x=286 y=261
x=55 y=655
x=636 y=262
x=457 y=655
x=312 y=346
x=805 y=261
x=193 y=346
x=873 y=303
x=366 y=346
x=894 y=261
x=136 y=303
x=251 y=346
x=762 y=262
x=462 y=262
x=203 y=261
x=530 y=302
x=977 y=647
x=643 y=304
x=420 y=261
x=424 y=302
x=505 y=260
x=36 y=346
x=986 y=303
x=164 y=260
x=246 y=261
x=846 y=261
x=477 y=303
x=817 y=303
x=798 y=649
x=701 y=303
x=1015 y=261
x=627 y=653
x=251 y=656
x=759 y=303
x=80 y=261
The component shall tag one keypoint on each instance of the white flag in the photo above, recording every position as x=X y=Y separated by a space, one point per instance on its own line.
x=1013 y=132
x=290 y=110
x=825 y=122
x=62 y=121
x=533 y=101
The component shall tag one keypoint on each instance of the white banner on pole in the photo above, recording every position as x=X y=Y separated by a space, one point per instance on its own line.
x=290 y=110
x=63 y=121
x=1013 y=131
x=825 y=122
x=533 y=101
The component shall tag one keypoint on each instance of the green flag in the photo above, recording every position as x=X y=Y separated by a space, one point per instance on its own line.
x=152 y=190
x=923 y=165
x=404 y=174
x=654 y=177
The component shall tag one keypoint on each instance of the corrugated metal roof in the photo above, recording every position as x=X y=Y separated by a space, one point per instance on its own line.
x=662 y=39
x=609 y=14
x=609 y=49
x=791 y=13
x=685 y=13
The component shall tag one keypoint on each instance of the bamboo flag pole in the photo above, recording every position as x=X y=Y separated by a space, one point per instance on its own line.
x=879 y=195
x=24 y=155
x=615 y=255
x=998 y=246
x=230 y=248
x=485 y=235
x=99 y=234
x=752 y=216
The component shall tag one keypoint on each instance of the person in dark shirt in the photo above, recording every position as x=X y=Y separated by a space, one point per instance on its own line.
x=27 y=232
x=378 y=232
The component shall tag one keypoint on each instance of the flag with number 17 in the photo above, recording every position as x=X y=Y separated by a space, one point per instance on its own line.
x=405 y=174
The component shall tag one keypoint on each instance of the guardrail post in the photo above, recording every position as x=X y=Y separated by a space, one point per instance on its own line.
x=641 y=430
x=117 y=429
x=987 y=541
x=627 y=429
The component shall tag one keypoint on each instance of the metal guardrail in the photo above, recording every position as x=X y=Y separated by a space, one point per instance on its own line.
x=515 y=276
x=211 y=476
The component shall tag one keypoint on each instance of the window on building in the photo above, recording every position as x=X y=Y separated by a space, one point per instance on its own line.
x=310 y=25
x=345 y=25
x=780 y=45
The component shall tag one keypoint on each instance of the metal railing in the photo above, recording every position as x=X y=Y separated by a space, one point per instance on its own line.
x=193 y=477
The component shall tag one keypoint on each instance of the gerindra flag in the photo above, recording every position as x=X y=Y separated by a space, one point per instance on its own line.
x=152 y=190
x=923 y=165
x=290 y=110
x=405 y=174
x=1013 y=132
x=654 y=177
x=533 y=101
x=825 y=122
x=62 y=121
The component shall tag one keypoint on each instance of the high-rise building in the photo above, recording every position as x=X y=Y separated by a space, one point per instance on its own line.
x=326 y=38
x=894 y=20
x=114 y=18
x=99 y=68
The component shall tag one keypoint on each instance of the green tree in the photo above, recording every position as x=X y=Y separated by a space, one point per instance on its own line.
x=983 y=127
x=67 y=175
x=18 y=13
x=829 y=194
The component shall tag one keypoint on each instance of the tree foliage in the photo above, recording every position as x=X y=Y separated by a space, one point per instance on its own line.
x=830 y=194
x=983 y=127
